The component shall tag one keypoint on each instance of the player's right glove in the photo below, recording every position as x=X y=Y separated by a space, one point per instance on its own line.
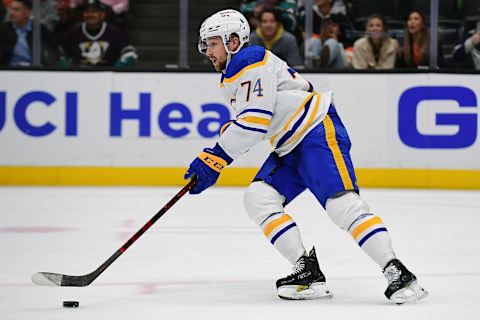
x=207 y=167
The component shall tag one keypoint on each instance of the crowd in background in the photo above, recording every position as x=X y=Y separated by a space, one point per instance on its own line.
x=341 y=41
x=74 y=33
x=91 y=33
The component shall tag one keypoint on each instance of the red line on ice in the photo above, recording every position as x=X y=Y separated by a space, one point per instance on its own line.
x=36 y=229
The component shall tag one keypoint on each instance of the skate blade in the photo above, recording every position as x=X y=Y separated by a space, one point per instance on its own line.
x=413 y=293
x=314 y=291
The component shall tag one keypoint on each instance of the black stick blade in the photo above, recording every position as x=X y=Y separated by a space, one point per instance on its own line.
x=47 y=279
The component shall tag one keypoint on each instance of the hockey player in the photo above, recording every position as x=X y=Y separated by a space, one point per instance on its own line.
x=311 y=150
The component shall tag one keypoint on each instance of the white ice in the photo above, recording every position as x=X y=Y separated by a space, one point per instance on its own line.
x=206 y=260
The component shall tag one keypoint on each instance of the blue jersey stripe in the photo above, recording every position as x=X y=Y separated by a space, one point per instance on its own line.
x=287 y=135
x=292 y=72
x=371 y=234
x=249 y=128
x=255 y=110
x=282 y=232
x=310 y=87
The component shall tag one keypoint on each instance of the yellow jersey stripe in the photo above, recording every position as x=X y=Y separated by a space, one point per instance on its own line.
x=285 y=127
x=367 y=224
x=256 y=120
x=275 y=223
x=225 y=126
x=239 y=73
x=337 y=154
x=305 y=127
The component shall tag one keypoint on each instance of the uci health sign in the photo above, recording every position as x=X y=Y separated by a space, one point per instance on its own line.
x=111 y=119
x=464 y=120
x=408 y=121
x=175 y=119
x=107 y=119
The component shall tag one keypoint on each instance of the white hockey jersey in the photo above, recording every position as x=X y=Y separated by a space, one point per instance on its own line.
x=271 y=101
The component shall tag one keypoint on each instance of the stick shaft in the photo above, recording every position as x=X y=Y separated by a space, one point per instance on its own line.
x=145 y=227
x=55 y=279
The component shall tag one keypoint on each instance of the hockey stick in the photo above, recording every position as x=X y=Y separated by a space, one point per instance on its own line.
x=56 y=279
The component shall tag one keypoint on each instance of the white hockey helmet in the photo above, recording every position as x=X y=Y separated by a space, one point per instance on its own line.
x=223 y=24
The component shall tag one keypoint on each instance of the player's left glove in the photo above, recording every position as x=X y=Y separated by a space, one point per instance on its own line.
x=207 y=167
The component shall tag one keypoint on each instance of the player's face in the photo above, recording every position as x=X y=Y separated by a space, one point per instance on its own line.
x=375 y=28
x=216 y=53
x=18 y=13
x=415 y=23
x=269 y=25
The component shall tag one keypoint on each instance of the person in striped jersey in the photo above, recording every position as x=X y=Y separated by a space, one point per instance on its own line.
x=311 y=150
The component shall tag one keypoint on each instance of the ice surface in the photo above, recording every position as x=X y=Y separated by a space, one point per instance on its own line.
x=206 y=260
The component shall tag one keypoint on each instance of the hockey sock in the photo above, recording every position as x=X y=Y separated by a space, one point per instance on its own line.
x=351 y=213
x=283 y=233
x=371 y=235
x=264 y=206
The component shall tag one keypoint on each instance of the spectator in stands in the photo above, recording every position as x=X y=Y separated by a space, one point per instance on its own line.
x=325 y=49
x=287 y=10
x=97 y=43
x=325 y=9
x=271 y=35
x=416 y=44
x=16 y=38
x=467 y=54
x=48 y=13
x=71 y=14
x=376 y=50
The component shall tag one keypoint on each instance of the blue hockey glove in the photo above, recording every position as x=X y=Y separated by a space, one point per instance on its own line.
x=207 y=167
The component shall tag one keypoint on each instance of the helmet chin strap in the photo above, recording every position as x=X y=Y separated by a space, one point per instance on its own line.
x=230 y=55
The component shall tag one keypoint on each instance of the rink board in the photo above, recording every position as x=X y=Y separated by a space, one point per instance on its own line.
x=106 y=128
x=129 y=176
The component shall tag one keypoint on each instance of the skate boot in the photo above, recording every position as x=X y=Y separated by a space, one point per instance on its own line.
x=402 y=284
x=306 y=281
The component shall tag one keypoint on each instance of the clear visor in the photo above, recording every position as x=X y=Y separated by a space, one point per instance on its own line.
x=202 y=46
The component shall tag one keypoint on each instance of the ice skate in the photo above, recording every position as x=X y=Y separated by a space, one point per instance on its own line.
x=402 y=284
x=306 y=281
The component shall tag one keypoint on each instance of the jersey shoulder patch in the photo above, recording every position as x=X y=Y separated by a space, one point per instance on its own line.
x=247 y=58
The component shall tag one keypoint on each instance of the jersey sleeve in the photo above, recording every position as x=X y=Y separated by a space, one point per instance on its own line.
x=256 y=90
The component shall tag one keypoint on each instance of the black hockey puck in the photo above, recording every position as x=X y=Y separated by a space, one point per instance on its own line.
x=70 y=304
